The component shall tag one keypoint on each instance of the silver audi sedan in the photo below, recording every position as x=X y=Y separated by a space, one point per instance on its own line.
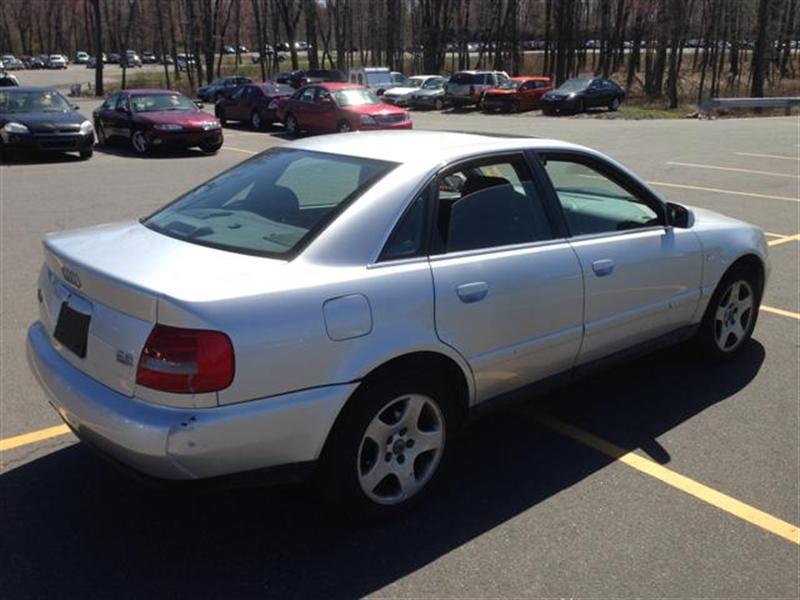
x=340 y=306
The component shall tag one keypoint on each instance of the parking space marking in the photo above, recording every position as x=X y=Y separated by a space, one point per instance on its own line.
x=719 y=191
x=733 y=169
x=242 y=150
x=776 y=156
x=702 y=492
x=33 y=437
x=781 y=312
x=784 y=239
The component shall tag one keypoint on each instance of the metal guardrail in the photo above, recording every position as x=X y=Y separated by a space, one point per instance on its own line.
x=709 y=104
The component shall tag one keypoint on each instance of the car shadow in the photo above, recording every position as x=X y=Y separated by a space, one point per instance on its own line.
x=49 y=158
x=156 y=153
x=73 y=527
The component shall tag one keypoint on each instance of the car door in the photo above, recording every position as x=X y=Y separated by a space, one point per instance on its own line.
x=106 y=113
x=304 y=108
x=508 y=285
x=122 y=118
x=235 y=105
x=642 y=278
x=527 y=94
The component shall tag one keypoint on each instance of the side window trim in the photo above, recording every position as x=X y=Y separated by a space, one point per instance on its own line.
x=426 y=193
x=616 y=176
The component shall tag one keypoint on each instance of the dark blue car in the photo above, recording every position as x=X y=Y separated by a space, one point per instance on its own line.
x=40 y=119
x=221 y=88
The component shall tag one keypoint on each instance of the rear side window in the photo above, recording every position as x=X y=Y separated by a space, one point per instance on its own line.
x=270 y=205
x=467 y=78
x=490 y=204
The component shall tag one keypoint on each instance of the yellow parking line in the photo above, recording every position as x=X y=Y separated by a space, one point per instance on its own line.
x=784 y=239
x=781 y=312
x=702 y=492
x=242 y=150
x=733 y=169
x=777 y=235
x=776 y=156
x=33 y=437
x=719 y=191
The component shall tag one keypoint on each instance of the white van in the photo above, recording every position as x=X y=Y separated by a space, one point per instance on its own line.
x=378 y=79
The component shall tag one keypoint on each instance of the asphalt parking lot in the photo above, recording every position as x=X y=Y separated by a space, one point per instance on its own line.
x=663 y=477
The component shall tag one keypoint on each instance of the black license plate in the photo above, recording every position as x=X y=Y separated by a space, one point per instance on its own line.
x=72 y=329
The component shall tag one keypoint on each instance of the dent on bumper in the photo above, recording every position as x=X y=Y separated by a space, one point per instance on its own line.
x=172 y=443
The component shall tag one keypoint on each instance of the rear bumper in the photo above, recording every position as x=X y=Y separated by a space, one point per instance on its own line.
x=171 y=443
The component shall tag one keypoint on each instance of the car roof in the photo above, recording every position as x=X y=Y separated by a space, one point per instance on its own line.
x=430 y=147
x=29 y=88
x=150 y=91
x=529 y=78
x=337 y=85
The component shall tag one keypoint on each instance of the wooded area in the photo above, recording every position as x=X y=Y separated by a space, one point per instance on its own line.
x=661 y=48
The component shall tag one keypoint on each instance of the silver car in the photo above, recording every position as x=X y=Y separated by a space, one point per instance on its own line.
x=341 y=305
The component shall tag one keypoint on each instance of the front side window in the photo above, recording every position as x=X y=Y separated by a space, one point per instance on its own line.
x=594 y=203
x=272 y=204
x=307 y=95
x=490 y=205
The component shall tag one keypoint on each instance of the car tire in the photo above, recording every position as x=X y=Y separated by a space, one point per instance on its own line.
x=256 y=122
x=139 y=143
x=614 y=105
x=291 y=125
x=515 y=107
x=86 y=154
x=210 y=148
x=375 y=463
x=581 y=107
x=102 y=140
x=5 y=153
x=731 y=315
x=438 y=104
x=220 y=113
x=344 y=126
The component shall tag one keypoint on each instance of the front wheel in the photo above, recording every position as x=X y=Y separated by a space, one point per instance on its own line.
x=86 y=154
x=221 y=116
x=102 y=140
x=139 y=143
x=210 y=148
x=614 y=106
x=731 y=315
x=390 y=446
x=344 y=127
x=438 y=104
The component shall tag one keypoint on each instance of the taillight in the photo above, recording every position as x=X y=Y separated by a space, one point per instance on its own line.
x=186 y=361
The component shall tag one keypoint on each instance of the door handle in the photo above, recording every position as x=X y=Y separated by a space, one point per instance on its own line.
x=472 y=292
x=603 y=267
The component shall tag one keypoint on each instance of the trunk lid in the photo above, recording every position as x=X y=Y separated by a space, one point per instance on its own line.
x=118 y=275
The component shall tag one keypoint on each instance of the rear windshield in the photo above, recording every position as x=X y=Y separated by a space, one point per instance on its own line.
x=270 y=205
x=575 y=85
x=467 y=78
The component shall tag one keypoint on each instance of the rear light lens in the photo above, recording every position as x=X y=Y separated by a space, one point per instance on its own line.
x=186 y=361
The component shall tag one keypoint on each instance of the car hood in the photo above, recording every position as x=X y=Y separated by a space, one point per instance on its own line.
x=421 y=92
x=556 y=95
x=500 y=92
x=43 y=122
x=187 y=118
x=400 y=91
x=374 y=109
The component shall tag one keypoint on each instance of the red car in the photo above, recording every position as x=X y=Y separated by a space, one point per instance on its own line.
x=341 y=107
x=149 y=119
x=255 y=103
x=516 y=94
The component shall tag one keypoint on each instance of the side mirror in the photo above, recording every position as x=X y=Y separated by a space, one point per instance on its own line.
x=678 y=216
x=75 y=107
x=199 y=105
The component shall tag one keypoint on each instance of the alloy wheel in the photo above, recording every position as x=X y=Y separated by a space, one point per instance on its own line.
x=733 y=316
x=291 y=125
x=344 y=127
x=255 y=120
x=401 y=449
x=139 y=143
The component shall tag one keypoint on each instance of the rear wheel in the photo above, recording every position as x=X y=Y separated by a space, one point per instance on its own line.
x=344 y=126
x=291 y=125
x=390 y=445
x=255 y=120
x=221 y=116
x=438 y=104
x=614 y=106
x=731 y=315
x=139 y=143
x=102 y=140
x=515 y=108
x=86 y=154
